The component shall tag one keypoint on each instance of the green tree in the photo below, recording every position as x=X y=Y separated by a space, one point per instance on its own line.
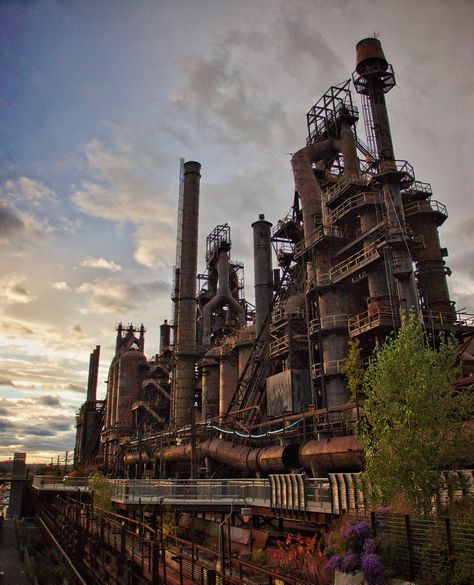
x=415 y=417
x=354 y=370
x=101 y=490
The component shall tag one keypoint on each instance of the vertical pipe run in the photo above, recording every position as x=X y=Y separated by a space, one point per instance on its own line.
x=263 y=274
x=183 y=399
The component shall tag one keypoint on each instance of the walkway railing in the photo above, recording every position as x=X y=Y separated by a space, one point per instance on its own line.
x=191 y=491
x=53 y=483
x=312 y=494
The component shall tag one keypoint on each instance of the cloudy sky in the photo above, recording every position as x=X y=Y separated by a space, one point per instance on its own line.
x=99 y=100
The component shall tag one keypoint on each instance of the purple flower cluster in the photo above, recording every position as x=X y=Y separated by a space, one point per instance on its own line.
x=333 y=564
x=361 y=554
x=373 y=569
x=347 y=563
x=357 y=531
x=369 y=546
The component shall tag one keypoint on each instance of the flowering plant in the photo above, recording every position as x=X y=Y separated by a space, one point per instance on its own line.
x=303 y=556
x=352 y=548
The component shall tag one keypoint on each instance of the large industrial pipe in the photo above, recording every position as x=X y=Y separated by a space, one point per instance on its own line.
x=183 y=399
x=265 y=459
x=223 y=298
x=307 y=187
x=331 y=301
x=263 y=273
x=336 y=454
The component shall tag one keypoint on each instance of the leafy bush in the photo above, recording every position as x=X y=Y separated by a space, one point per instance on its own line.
x=415 y=417
x=101 y=490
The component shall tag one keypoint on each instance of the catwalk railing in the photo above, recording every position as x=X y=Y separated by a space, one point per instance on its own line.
x=279 y=491
x=336 y=494
x=108 y=547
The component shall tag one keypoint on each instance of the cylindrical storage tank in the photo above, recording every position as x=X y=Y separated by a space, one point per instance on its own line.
x=132 y=368
x=165 y=336
x=262 y=258
x=228 y=380
x=210 y=368
x=369 y=52
x=332 y=455
x=183 y=398
x=278 y=458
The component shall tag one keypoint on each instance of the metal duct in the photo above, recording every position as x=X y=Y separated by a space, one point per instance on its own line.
x=331 y=301
x=223 y=298
x=263 y=273
x=327 y=455
x=183 y=399
x=306 y=185
x=265 y=459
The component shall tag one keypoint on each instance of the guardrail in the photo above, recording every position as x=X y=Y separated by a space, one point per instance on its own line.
x=59 y=484
x=189 y=490
x=311 y=494
x=365 y=321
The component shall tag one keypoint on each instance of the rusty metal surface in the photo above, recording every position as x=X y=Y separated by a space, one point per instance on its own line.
x=369 y=49
x=289 y=391
x=336 y=454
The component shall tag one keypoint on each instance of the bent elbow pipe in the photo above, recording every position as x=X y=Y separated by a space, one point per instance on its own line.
x=306 y=185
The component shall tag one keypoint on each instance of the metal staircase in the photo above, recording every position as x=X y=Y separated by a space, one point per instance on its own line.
x=250 y=389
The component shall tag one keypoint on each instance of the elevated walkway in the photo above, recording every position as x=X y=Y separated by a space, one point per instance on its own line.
x=279 y=491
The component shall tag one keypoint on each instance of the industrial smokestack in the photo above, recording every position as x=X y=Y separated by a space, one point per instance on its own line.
x=373 y=78
x=262 y=254
x=165 y=336
x=183 y=398
x=93 y=374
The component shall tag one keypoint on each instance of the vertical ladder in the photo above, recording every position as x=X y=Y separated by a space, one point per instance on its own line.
x=369 y=126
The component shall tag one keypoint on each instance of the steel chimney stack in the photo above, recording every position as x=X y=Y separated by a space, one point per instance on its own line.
x=183 y=399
